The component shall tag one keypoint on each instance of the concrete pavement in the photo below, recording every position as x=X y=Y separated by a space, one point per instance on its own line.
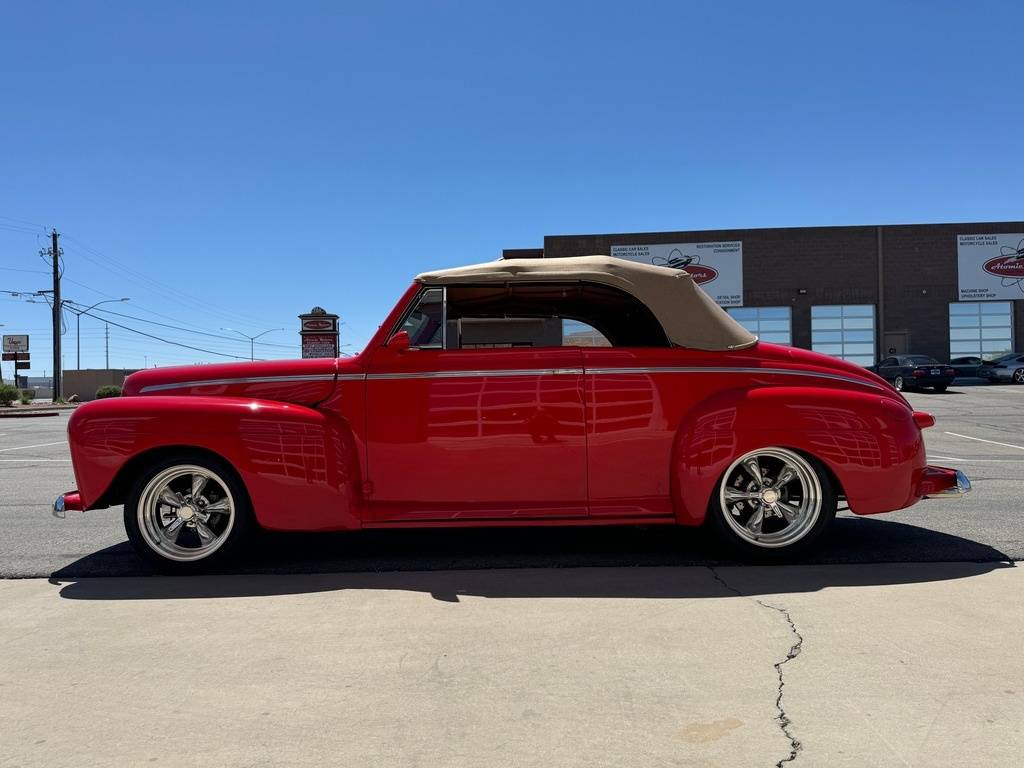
x=888 y=665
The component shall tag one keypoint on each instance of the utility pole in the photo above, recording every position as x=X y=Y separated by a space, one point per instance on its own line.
x=55 y=256
x=106 y=344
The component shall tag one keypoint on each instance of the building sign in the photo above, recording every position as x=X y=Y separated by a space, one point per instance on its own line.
x=15 y=343
x=716 y=267
x=990 y=267
x=319 y=333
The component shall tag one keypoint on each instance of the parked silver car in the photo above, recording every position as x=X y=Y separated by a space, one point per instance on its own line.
x=1004 y=369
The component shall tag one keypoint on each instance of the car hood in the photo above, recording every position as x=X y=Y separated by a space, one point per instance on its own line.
x=304 y=382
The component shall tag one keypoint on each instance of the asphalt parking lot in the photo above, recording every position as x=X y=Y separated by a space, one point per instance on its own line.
x=979 y=429
x=896 y=645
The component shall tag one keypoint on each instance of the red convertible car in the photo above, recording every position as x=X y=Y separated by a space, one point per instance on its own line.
x=575 y=391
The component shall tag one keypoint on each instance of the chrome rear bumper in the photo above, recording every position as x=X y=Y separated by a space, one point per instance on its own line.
x=957 y=485
x=71 y=500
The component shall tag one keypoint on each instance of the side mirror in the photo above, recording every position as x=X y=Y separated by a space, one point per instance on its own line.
x=399 y=342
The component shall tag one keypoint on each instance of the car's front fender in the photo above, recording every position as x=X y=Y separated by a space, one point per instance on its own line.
x=299 y=465
x=868 y=441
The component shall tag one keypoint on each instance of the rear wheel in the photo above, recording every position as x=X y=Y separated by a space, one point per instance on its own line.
x=941 y=387
x=773 y=504
x=1018 y=376
x=187 y=514
x=899 y=384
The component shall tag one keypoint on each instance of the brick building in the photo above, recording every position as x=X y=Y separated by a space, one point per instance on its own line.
x=945 y=290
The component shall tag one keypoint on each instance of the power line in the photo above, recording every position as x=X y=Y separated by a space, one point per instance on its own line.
x=23 y=221
x=164 y=288
x=16 y=228
x=165 y=341
x=198 y=333
x=29 y=271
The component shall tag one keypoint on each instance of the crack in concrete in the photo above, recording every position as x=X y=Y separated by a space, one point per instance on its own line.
x=785 y=724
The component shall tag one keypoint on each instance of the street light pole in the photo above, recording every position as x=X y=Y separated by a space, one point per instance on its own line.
x=252 y=339
x=78 y=329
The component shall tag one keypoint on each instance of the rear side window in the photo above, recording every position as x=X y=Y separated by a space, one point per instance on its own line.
x=548 y=315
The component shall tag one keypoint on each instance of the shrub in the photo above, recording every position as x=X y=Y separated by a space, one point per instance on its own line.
x=8 y=394
x=110 y=390
x=27 y=396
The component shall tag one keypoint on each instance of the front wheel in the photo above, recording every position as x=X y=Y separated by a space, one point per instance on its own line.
x=1018 y=376
x=187 y=514
x=773 y=504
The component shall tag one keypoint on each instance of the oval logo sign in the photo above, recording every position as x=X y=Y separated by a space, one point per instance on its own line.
x=701 y=273
x=317 y=325
x=1005 y=266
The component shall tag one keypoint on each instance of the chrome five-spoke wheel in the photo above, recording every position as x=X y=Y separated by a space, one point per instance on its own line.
x=186 y=513
x=771 y=498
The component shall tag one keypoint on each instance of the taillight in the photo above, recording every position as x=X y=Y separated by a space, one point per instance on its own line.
x=923 y=420
x=917 y=372
x=951 y=372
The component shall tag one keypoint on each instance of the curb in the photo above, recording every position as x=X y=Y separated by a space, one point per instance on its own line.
x=27 y=414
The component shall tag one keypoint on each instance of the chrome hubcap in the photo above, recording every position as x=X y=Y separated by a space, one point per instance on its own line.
x=186 y=513
x=771 y=497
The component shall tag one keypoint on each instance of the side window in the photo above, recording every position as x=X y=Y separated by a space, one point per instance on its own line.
x=576 y=333
x=889 y=361
x=548 y=315
x=425 y=322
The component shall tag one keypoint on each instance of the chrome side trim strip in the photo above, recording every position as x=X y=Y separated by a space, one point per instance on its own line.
x=499 y=373
x=771 y=371
x=243 y=380
x=468 y=374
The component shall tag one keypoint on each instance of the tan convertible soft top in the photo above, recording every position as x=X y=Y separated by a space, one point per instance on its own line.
x=688 y=315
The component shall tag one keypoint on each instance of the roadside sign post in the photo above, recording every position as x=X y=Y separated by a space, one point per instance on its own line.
x=15 y=349
x=318 y=330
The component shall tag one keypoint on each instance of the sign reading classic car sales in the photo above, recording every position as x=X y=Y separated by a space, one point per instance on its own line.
x=990 y=267
x=319 y=333
x=716 y=267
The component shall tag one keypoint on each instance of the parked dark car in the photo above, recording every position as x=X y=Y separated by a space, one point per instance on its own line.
x=966 y=366
x=1004 y=369
x=916 y=372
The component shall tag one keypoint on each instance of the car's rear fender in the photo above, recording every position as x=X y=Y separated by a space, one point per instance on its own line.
x=867 y=441
x=299 y=465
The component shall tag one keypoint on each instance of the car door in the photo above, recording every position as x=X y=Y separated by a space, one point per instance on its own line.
x=634 y=407
x=473 y=433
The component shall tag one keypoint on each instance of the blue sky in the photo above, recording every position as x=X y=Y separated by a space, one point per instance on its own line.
x=233 y=164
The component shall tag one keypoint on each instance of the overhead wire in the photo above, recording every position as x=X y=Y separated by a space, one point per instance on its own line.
x=166 y=341
x=234 y=339
x=164 y=288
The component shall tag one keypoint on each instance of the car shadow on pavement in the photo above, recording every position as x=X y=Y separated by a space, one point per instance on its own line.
x=538 y=562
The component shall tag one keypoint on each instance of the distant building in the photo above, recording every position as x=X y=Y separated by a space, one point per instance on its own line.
x=859 y=293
